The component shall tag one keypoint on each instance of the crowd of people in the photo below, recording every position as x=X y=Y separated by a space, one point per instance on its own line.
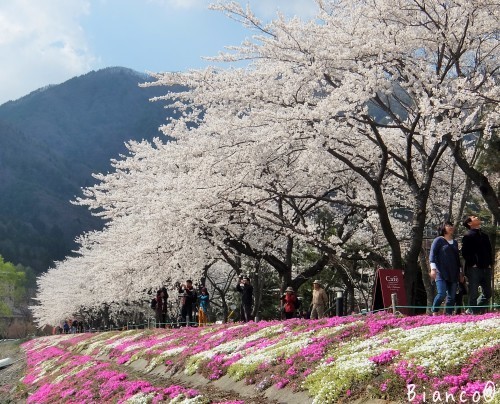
x=69 y=327
x=195 y=302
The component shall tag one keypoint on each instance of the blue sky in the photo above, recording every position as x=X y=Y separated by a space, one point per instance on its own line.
x=46 y=42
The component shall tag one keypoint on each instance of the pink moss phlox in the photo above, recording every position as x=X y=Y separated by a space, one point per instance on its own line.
x=45 y=354
x=282 y=382
x=174 y=390
x=108 y=375
x=462 y=381
x=233 y=359
x=218 y=363
x=314 y=351
x=68 y=392
x=79 y=360
x=384 y=357
x=123 y=359
x=474 y=387
x=134 y=387
x=41 y=394
x=410 y=372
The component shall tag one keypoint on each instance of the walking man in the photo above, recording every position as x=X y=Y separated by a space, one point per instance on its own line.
x=319 y=301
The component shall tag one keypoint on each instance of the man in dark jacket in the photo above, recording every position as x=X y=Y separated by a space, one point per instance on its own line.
x=188 y=301
x=478 y=256
x=246 y=291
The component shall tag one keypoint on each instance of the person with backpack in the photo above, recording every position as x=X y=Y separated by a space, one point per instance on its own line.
x=290 y=303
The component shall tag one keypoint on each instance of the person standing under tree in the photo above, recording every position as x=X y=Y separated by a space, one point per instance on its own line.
x=188 y=301
x=289 y=300
x=246 y=291
x=204 y=299
x=478 y=256
x=159 y=304
x=319 y=301
x=445 y=267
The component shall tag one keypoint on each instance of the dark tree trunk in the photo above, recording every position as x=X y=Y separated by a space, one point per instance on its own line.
x=429 y=289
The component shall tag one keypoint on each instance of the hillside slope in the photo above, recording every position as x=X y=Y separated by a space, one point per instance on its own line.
x=335 y=360
x=51 y=141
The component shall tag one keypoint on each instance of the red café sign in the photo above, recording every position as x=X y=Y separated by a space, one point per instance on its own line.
x=387 y=282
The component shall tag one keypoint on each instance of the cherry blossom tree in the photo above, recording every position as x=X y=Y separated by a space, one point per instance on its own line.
x=429 y=67
x=353 y=116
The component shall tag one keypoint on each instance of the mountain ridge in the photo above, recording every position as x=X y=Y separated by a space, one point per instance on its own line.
x=51 y=141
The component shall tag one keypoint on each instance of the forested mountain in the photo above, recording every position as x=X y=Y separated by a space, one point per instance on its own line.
x=51 y=141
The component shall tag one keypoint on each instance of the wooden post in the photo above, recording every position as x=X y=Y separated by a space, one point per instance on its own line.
x=394 y=300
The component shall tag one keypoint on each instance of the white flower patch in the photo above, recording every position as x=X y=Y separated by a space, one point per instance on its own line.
x=356 y=362
x=140 y=398
x=180 y=399
x=434 y=347
x=133 y=347
x=88 y=345
x=105 y=346
x=51 y=341
x=437 y=347
x=222 y=332
x=356 y=350
x=237 y=345
x=353 y=358
x=159 y=359
x=271 y=352
x=324 y=332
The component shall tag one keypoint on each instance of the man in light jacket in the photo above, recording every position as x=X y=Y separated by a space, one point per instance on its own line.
x=319 y=301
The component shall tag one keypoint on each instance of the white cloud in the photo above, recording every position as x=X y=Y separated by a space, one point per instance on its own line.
x=41 y=42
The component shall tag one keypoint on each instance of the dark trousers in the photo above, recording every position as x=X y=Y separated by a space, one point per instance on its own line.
x=479 y=277
x=186 y=314
x=161 y=319
x=246 y=312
